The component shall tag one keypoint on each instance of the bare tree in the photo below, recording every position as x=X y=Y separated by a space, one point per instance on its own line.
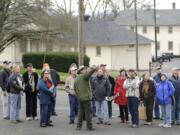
x=20 y=15
x=111 y=8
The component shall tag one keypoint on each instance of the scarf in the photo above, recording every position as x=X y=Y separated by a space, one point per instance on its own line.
x=145 y=87
x=48 y=83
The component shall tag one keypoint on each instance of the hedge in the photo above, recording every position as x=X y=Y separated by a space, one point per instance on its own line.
x=59 y=61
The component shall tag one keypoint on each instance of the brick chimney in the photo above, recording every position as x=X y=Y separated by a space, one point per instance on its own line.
x=173 y=5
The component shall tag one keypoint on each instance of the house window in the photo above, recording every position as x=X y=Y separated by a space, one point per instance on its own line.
x=170 y=29
x=49 y=46
x=98 y=51
x=34 y=45
x=158 y=45
x=170 y=45
x=132 y=28
x=131 y=46
x=144 y=29
x=84 y=50
x=22 y=45
x=157 y=30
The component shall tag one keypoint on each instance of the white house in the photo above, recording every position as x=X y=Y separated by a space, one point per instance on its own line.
x=26 y=44
x=105 y=42
x=108 y=43
x=168 y=27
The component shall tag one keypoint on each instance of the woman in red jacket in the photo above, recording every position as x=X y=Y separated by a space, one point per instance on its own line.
x=121 y=98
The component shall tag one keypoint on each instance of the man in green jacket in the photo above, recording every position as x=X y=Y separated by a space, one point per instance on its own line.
x=84 y=95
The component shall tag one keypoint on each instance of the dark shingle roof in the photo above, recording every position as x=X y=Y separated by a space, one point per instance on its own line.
x=110 y=33
x=146 y=17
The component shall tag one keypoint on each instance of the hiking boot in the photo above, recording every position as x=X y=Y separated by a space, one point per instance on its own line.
x=14 y=122
x=28 y=118
x=6 y=118
x=43 y=125
x=107 y=123
x=35 y=118
x=148 y=123
x=54 y=114
x=167 y=126
x=161 y=124
x=49 y=125
x=99 y=122
x=134 y=126
x=71 y=122
x=90 y=129
x=19 y=121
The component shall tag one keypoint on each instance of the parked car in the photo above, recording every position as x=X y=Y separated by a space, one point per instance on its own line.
x=165 y=56
x=162 y=57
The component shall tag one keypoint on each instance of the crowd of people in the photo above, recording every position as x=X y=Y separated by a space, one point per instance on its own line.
x=14 y=85
x=91 y=92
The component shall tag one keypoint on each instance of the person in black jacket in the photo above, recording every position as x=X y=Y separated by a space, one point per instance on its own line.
x=16 y=90
x=147 y=94
x=101 y=91
x=31 y=79
x=4 y=78
x=112 y=82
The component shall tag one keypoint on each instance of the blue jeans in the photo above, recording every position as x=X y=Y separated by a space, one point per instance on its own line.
x=54 y=102
x=45 y=113
x=133 y=104
x=15 y=106
x=166 y=111
x=156 y=109
x=102 y=110
x=73 y=103
x=176 y=110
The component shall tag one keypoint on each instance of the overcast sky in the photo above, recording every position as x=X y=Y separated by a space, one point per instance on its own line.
x=167 y=4
x=161 y=4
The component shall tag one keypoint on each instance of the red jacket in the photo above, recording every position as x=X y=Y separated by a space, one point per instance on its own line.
x=121 y=99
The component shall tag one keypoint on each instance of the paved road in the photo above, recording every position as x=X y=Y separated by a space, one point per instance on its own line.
x=62 y=128
x=61 y=122
x=167 y=66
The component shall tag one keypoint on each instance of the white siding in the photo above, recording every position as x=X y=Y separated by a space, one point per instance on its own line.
x=125 y=56
x=105 y=57
x=9 y=54
x=163 y=37
x=118 y=56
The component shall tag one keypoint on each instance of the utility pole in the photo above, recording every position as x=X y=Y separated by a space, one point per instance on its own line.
x=81 y=33
x=155 y=32
x=136 y=30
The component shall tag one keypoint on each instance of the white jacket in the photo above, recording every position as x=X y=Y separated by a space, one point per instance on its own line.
x=132 y=87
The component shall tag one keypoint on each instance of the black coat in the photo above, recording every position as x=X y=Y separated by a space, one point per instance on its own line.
x=151 y=92
x=112 y=82
x=28 y=87
x=4 y=78
x=100 y=88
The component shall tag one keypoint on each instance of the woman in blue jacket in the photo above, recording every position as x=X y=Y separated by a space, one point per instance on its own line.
x=46 y=90
x=164 y=93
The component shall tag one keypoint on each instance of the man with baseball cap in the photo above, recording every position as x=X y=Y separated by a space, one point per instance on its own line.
x=69 y=85
x=157 y=79
x=4 y=79
x=175 y=80
x=31 y=79
x=84 y=95
x=131 y=84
